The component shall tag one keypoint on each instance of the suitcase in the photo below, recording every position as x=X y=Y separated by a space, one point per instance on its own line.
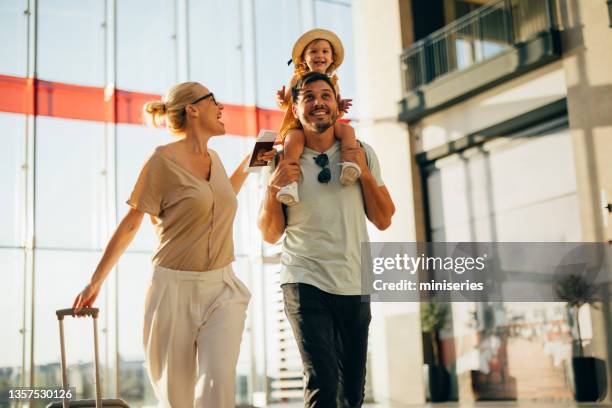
x=98 y=402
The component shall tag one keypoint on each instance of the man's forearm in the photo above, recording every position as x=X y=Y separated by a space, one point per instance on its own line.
x=271 y=220
x=378 y=203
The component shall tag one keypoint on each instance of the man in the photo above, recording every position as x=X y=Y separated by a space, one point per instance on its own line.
x=321 y=273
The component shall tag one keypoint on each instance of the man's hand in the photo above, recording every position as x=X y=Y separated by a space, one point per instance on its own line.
x=286 y=172
x=357 y=156
x=271 y=220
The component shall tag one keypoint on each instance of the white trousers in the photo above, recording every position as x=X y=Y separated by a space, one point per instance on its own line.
x=192 y=331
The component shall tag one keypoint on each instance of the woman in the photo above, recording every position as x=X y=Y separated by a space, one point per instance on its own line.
x=195 y=307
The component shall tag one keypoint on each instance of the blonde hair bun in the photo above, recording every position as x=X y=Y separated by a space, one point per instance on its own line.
x=154 y=112
x=171 y=112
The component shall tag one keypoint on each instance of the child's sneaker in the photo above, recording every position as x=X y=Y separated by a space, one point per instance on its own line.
x=350 y=173
x=288 y=195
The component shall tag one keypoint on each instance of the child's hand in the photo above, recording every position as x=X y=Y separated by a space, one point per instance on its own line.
x=280 y=96
x=344 y=105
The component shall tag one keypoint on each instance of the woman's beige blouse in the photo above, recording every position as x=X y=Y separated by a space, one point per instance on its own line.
x=194 y=216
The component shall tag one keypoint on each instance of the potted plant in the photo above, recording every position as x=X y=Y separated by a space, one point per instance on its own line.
x=576 y=291
x=433 y=319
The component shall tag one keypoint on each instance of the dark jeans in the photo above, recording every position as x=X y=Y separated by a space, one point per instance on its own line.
x=332 y=334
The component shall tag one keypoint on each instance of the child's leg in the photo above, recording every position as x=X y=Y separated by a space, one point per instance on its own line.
x=346 y=135
x=293 y=147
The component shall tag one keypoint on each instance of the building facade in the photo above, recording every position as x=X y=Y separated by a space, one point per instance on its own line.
x=503 y=135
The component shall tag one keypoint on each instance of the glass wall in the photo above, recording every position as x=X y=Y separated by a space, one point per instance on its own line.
x=13 y=54
x=70 y=180
x=63 y=56
x=12 y=185
x=508 y=190
x=59 y=276
x=13 y=206
x=216 y=57
x=146 y=45
x=74 y=143
x=12 y=312
x=278 y=26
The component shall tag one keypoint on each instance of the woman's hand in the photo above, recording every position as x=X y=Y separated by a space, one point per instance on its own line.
x=86 y=298
x=266 y=156
x=240 y=174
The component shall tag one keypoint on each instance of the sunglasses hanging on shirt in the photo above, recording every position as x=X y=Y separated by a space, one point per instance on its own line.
x=325 y=174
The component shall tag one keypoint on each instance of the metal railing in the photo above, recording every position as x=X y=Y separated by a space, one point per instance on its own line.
x=474 y=38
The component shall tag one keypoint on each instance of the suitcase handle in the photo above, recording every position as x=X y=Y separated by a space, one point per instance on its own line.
x=86 y=311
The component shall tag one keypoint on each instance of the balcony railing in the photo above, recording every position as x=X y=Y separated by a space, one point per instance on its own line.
x=474 y=38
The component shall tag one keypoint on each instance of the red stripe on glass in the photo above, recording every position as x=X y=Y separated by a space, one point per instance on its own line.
x=30 y=96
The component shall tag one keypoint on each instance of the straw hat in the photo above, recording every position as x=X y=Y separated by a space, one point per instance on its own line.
x=318 y=34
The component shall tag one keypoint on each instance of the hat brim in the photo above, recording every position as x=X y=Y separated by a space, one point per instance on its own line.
x=318 y=34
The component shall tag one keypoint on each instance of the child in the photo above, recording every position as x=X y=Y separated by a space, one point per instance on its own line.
x=321 y=51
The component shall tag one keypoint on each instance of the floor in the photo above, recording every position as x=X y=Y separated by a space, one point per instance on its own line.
x=521 y=404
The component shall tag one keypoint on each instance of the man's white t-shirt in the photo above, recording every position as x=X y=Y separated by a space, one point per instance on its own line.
x=324 y=232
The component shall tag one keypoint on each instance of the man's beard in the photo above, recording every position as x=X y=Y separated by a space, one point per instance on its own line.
x=317 y=126
x=322 y=127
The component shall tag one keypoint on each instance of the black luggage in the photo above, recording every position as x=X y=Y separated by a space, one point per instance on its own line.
x=98 y=402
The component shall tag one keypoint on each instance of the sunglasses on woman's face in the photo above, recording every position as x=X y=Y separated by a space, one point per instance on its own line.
x=208 y=95
x=325 y=174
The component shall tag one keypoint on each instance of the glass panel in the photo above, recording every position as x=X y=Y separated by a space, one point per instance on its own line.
x=231 y=150
x=11 y=310
x=508 y=350
x=277 y=27
x=134 y=146
x=69 y=183
x=252 y=361
x=482 y=188
x=339 y=19
x=283 y=363
x=60 y=276
x=12 y=178
x=134 y=278
x=64 y=55
x=13 y=25
x=146 y=59
x=215 y=54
